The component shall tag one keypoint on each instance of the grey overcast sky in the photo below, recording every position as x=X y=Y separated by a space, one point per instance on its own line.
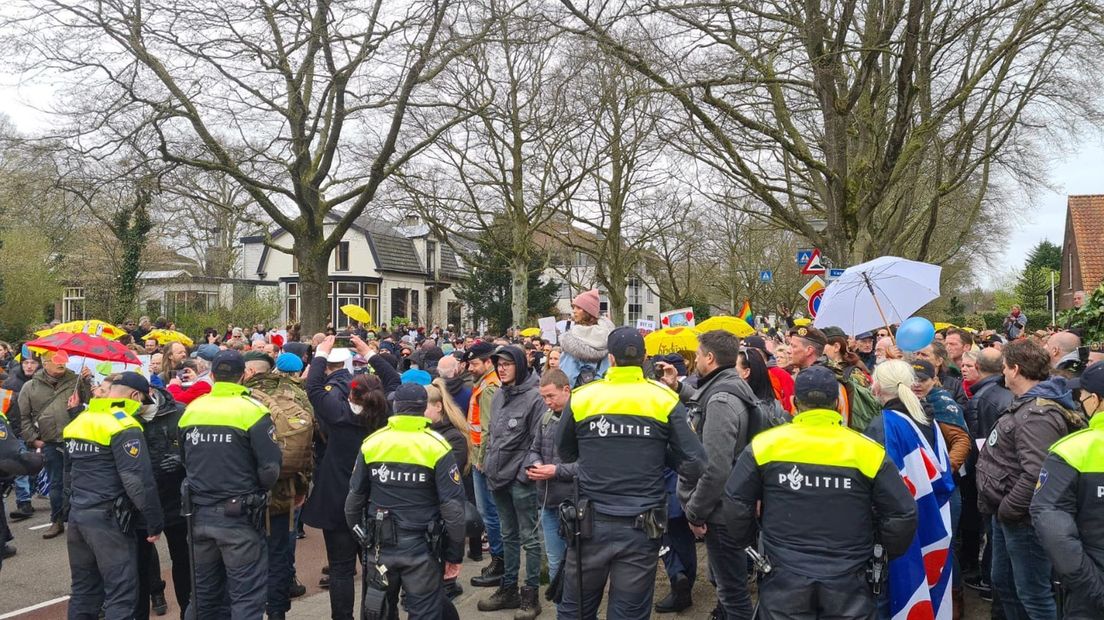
x=1077 y=171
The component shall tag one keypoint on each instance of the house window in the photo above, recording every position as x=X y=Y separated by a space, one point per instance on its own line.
x=184 y=302
x=636 y=312
x=414 y=305
x=565 y=290
x=347 y=293
x=431 y=258
x=341 y=256
x=294 y=264
x=73 y=304
x=292 y=302
x=400 y=302
x=454 y=313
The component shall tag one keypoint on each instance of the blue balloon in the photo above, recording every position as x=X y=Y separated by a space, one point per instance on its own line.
x=915 y=334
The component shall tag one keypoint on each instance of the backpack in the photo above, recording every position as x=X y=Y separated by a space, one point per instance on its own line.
x=763 y=415
x=864 y=407
x=294 y=428
x=587 y=374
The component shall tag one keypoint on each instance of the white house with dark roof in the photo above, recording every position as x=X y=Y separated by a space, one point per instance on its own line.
x=389 y=269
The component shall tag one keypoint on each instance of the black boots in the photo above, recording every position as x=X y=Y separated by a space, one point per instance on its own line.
x=24 y=510
x=491 y=576
x=505 y=597
x=530 y=604
x=679 y=598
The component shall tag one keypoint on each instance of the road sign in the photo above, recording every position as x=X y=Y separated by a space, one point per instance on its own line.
x=814 y=302
x=813 y=267
x=812 y=286
x=766 y=276
x=834 y=274
x=803 y=256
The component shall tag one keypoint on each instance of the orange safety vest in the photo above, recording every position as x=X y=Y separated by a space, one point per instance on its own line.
x=6 y=397
x=476 y=430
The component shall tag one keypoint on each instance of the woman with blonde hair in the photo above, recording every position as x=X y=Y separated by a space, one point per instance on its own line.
x=447 y=420
x=914 y=443
x=552 y=360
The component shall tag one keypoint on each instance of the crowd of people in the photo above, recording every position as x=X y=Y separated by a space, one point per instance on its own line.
x=850 y=478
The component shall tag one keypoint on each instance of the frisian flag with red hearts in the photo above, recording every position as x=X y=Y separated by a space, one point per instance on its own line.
x=920 y=580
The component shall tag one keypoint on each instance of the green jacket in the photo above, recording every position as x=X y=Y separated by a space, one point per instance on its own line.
x=43 y=404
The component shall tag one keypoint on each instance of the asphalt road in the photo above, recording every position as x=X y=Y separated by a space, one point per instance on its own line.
x=34 y=585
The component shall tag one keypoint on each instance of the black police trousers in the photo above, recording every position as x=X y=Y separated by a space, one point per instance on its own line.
x=103 y=563
x=231 y=565
x=412 y=569
x=784 y=595
x=620 y=554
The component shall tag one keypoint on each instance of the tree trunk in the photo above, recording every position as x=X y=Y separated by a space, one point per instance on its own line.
x=519 y=285
x=616 y=297
x=314 y=288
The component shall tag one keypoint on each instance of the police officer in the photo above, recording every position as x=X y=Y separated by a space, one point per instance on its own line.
x=622 y=430
x=109 y=477
x=14 y=461
x=828 y=494
x=1068 y=507
x=232 y=460
x=407 y=472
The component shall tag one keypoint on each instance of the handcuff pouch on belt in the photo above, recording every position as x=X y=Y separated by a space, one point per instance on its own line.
x=122 y=509
x=576 y=521
x=653 y=522
x=437 y=540
x=251 y=506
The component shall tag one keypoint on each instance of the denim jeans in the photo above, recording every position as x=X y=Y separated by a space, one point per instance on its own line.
x=280 y=554
x=554 y=544
x=1021 y=573
x=23 y=490
x=518 y=510
x=485 y=503
x=728 y=566
x=956 y=540
x=682 y=554
x=55 y=468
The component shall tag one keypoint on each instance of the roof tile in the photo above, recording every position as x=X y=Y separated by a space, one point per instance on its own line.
x=1087 y=215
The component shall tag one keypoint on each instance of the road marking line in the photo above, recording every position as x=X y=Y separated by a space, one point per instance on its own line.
x=54 y=601
x=38 y=527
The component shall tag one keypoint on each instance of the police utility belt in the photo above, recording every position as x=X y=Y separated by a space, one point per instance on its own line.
x=251 y=506
x=121 y=510
x=577 y=522
x=379 y=531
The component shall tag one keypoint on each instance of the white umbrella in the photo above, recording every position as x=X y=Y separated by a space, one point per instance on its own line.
x=877 y=293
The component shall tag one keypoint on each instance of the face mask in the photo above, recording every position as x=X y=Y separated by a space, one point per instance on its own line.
x=357 y=409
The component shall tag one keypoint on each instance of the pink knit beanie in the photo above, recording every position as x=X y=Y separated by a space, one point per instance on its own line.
x=589 y=302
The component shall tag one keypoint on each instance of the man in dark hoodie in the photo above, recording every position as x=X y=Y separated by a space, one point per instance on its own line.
x=1008 y=470
x=516 y=413
x=719 y=415
x=14 y=383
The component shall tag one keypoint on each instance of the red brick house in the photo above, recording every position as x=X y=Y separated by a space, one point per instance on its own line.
x=1082 y=248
